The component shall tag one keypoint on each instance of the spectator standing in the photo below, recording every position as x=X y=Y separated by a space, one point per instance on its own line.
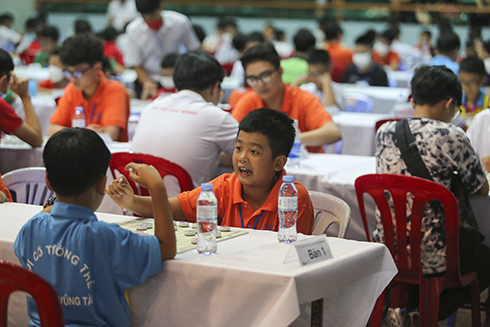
x=340 y=55
x=120 y=13
x=447 y=49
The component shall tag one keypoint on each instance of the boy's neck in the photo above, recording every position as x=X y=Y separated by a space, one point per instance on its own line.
x=89 y=92
x=79 y=200
x=256 y=196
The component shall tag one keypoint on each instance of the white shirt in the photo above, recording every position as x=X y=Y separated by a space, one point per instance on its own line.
x=8 y=36
x=121 y=13
x=187 y=130
x=238 y=73
x=147 y=48
x=283 y=48
x=479 y=133
x=338 y=93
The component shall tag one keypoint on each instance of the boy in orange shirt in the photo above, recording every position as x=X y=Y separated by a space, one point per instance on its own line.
x=105 y=102
x=248 y=197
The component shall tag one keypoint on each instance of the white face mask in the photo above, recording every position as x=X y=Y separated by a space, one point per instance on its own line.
x=487 y=65
x=55 y=73
x=381 y=48
x=167 y=82
x=361 y=60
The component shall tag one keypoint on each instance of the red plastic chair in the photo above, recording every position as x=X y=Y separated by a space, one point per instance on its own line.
x=382 y=121
x=409 y=267
x=16 y=278
x=121 y=159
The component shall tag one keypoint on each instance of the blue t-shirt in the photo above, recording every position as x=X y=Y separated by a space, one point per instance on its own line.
x=440 y=60
x=90 y=263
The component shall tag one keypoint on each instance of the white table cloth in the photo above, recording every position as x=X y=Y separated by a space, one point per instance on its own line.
x=245 y=284
x=402 y=78
x=384 y=97
x=336 y=175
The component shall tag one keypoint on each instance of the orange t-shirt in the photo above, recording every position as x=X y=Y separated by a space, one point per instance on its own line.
x=386 y=60
x=340 y=56
x=108 y=106
x=228 y=191
x=5 y=190
x=236 y=95
x=296 y=103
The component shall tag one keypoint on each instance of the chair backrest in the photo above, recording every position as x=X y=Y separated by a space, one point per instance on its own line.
x=121 y=159
x=337 y=146
x=399 y=186
x=382 y=121
x=329 y=209
x=16 y=278
x=28 y=185
x=355 y=102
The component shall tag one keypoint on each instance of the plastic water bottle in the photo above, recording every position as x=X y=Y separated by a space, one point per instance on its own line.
x=287 y=210
x=79 y=118
x=207 y=220
x=132 y=125
x=295 y=154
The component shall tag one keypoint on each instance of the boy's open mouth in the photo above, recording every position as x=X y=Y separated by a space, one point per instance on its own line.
x=244 y=171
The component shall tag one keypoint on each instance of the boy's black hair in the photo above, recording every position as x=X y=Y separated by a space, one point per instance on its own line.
x=75 y=159
x=279 y=35
x=365 y=40
x=275 y=125
x=197 y=71
x=240 y=42
x=304 y=41
x=201 y=35
x=83 y=48
x=261 y=52
x=432 y=84
x=6 y=17
x=50 y=32
x=109 y=34
x=169 y=60
x=6 y=63
x=56 y=52
x=319 y=57
x=428 y=33
x=82 y=26
x=106 y=65
x=225 y=21
x=33 y=23
x=331 y=30
x=472 y=65
x=256 y=37
x=147 y=6
x=448 y=42
x=389 y=35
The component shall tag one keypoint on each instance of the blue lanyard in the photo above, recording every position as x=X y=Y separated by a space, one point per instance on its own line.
x=92 y=113
x=241 y=218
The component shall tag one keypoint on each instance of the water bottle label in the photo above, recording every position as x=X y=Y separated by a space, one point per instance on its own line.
x=295 y=150
x=208 y=213
x=288 y=203
x=80 y=123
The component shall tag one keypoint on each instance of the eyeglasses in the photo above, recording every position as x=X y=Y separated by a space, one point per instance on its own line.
x=470 y=84
x=457 y=113
x=77 y=74
x=265 y=78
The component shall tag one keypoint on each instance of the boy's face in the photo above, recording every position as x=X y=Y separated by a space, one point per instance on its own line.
x=471 y=84
x=48 y=44
x=253 y=162
x=167 y=72
x=55 y=61
x=264 y=79
x=315 y=71
x=83 y=76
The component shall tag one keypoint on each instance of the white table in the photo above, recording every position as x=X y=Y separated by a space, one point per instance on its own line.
x=402 y=78
x=245 y=284
x=44 y=105
x=357 y=131
x=384 y=97
x=336 y=175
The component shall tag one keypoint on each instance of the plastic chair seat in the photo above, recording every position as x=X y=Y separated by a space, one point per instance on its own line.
x=28 y=185
x=409 y=261
x=355 y=102
x=329 y=210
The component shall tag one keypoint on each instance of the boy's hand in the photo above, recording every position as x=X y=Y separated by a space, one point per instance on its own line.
x=120 y=192
x=145 y=175
x=20 y=85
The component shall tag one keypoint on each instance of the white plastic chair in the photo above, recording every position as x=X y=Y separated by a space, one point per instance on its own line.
x=355 y=102
x=329 y=209
x=28 y=185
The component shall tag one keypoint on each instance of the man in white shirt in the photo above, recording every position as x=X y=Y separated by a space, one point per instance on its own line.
x=187 y=127
x=121 y=12
x=319 y=82
x=151 y=37
x=478 y=133
x=8 y=37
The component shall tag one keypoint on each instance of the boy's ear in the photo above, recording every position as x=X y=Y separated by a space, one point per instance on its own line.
x=280 y=162
x=47 y=182
x=100 y=185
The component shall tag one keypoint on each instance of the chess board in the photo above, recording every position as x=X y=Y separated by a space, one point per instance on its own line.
x=184 y=242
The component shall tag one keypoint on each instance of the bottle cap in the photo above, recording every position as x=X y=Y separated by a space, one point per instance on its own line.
x=288 y=178
x=206 y=186
x=80 y=108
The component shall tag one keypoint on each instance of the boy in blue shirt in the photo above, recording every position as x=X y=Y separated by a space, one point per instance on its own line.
x=473 y=78
x=91 y=263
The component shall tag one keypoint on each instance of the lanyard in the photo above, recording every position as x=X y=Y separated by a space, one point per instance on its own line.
x=241 y=218
x=92 y=112
x=473 y=107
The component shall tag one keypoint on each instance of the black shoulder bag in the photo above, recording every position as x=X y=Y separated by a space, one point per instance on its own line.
x=469 y=231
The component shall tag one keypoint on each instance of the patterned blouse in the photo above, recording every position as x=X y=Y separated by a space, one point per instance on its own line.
x=444 y=148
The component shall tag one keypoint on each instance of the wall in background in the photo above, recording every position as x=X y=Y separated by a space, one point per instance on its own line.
x=21 y=9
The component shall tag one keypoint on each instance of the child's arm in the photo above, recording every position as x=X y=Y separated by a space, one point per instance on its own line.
x=149 y=177
x=123 y=195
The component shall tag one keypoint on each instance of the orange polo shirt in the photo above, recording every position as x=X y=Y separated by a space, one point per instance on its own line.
x=4 y=189
x=340 y=55
x=228 y=191
x=237 y=94
x=108 y=106
x=386 y=60
x=296 y=103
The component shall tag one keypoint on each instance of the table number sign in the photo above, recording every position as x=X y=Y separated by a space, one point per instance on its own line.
x=312 y=250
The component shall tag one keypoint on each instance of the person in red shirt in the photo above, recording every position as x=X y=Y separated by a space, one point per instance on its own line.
x=5 y=195
x=263 y=75
x=111 y=50
x=10 y=123
x=382 y=50
x=105 y=102
x=340 y=55
x=248 y=197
